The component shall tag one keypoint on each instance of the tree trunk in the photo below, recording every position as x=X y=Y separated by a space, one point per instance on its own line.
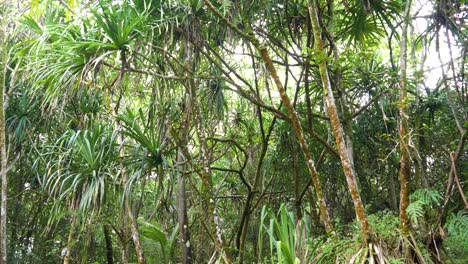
x=207 y=190
x=294 y=118
x=247 y=212
x=135 y=234
x=207 y=194
x=124 y=255
x=127 y=203
x=184 y=233
x=392 y=186
x=343 y=149
x=66 y=258
x=405 y=163
x=129 y=213
x=296 y=180
x=244 y=226
x=3 y=163
x=109 y=250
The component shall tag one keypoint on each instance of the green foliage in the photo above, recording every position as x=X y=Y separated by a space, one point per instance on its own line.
x=386 y=225
x=80 y=167
x=287 y=237
x=148 y=132
x=121 y=23
x=365 y=24
x=456 y=242
x=337 y=249
x=215 y=98
x=64 y=73
x=422 y=200
x=22 y=113
x=164 y=249
x=457 y=225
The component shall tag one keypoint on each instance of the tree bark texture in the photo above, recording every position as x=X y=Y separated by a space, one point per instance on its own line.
x=3 y=163
x=405 y=162
x=109 y=249
x=345 y=157
x=66 y=258
x=184 y=234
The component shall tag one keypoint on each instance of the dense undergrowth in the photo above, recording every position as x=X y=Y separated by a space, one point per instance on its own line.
x=253 y=131
x=283 y=239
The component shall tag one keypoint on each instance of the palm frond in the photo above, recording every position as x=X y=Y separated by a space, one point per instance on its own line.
x=148 y=133
x=120 y=23
x=80 y=167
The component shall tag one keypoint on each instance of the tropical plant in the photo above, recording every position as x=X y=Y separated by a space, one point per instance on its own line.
x=422 y=201
x=81 y=168
x=286 y=236
x=165 y=244
x=253 y=131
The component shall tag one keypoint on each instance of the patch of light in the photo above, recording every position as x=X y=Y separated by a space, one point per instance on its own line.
x=432 y=66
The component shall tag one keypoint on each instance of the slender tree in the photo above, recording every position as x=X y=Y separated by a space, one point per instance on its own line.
x=3 y=157
x=109 y=248
x=345 y=156
x=405 y=162
x=182 y=139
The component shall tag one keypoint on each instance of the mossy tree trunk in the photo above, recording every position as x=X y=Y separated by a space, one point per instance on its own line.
x=337 y=128
x=3 y=163
x=405 y=162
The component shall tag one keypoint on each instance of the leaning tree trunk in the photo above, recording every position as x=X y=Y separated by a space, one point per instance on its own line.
x=405 y=164
x=292 y=114
x=345 y=157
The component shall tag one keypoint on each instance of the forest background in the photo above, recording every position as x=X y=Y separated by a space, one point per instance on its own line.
x=206 y=131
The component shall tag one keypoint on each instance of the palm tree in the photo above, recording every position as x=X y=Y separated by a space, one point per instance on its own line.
x=80 y=169
x=89 y=47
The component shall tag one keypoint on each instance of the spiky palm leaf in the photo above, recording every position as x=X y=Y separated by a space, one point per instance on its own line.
x=120 y=23
x=286 y=236
x=149 y=133
x=364 y=21
x=81 y=167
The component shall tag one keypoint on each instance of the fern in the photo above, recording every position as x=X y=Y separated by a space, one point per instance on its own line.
x=421 y=201
x=457 y=224
x=415 y=211
x=426 y=196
